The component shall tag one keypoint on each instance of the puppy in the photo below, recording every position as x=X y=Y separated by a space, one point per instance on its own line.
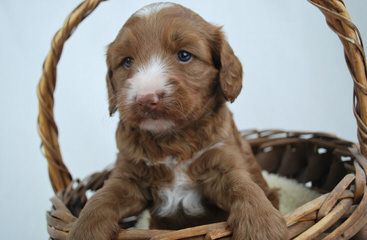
x=169 y=76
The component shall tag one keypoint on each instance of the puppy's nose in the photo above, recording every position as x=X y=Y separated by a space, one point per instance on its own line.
x=150 y=100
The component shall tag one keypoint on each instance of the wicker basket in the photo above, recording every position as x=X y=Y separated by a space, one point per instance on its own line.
x=335 y=167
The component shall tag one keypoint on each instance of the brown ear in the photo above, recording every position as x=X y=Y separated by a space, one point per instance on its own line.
x=111 y=91
x=230 y=68
x=111 y=86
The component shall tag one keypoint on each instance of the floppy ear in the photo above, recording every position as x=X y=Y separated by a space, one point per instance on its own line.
x=229 y=66
x=111 y=87
x=111 y=90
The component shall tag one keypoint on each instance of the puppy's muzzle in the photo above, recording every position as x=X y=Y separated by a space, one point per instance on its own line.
x=148 y=101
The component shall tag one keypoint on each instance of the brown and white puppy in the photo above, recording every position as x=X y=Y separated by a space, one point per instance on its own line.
x=169 y=76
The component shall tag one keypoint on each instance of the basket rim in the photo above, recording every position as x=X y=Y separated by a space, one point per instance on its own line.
x=338 y=202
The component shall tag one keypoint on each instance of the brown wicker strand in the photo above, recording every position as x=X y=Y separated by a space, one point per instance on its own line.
x=359 y=226
x=360 y=182
x=298 y=228
x=356 y=216
x=334 y=195
x=310 y=208
x=327 y=221
x=59 y=174
x=339 y=21
x=139 y=234
x=193 y=232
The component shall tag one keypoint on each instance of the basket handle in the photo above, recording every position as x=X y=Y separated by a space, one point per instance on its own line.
x=337 y=18
x=47 y=128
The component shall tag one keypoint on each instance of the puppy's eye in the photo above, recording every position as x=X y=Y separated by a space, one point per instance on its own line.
x=184 y=56
x=127 y=62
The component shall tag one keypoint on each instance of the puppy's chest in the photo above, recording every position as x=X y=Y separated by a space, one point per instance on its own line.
x=180 y=194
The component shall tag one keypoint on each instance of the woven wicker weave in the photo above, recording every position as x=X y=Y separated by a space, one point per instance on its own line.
x=333 y=166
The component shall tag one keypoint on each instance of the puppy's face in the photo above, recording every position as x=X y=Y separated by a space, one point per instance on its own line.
x=168 y=67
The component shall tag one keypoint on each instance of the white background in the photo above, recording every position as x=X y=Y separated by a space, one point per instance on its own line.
x=295 y=78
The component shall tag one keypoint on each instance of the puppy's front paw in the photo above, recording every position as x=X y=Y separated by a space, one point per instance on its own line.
x=93 y=229
x=258 y=224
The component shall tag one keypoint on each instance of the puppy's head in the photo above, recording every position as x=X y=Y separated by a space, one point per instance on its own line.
x=168 y=67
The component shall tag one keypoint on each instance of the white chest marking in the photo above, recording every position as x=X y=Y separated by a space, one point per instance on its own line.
x=182 y=192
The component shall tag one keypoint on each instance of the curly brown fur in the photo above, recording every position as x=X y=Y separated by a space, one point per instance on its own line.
x=169 y=76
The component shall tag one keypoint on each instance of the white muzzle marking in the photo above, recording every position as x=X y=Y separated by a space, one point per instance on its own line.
x=149 y=78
